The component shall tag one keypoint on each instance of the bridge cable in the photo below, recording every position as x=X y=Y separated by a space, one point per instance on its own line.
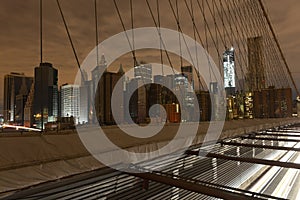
x=285 y=73
x=160 y=42
x=278 y=45
x=125 y=31
x=278 y=73
x=196 y=47
x=70 y=39
x=96 y=27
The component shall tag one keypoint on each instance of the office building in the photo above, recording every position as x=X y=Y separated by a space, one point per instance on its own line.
x=45 y=94
x=28 y=109
x=256 y=68
x=16 y=90
x=103 y=101
x=229 y=71
x=70 y=101
x=187 y=71
x=86 y=104
x=138 y=102
x=143 y=72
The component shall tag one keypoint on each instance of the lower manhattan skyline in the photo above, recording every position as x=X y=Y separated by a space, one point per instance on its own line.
x=149 y=99
x=20 y=34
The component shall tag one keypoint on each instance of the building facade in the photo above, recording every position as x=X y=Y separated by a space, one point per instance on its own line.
x=45 y=94
x=143 y=72
x=187 y=71
x=229 y=71
x=103 y=97
x=256 y=68
x=16 y=89
x=70 y=101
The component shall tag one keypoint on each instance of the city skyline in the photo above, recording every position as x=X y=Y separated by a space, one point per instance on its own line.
x=20 y=35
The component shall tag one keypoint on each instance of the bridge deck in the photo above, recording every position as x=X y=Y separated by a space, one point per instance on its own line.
x=34 y=159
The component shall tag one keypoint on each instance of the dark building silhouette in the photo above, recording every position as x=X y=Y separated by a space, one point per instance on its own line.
x=28 y=108
x=45 y=94
x=16 y=90
x=139 y=100
x=103 y=96
x=256 y=68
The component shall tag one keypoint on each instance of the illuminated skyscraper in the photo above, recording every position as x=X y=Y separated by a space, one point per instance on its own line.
x=143 y=72
x=70 y=101
x=229 y=71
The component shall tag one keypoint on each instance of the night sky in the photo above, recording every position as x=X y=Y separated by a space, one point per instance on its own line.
x=19 y=33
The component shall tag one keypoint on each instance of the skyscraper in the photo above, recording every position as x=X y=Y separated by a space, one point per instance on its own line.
x=70 y=101
x=85 y=101
x=103 y=93
x=138 y=102
x=256 y=70
x=187 y=71
x=229 y=71
x=28 y=108
x=45 y=94
x=16 y=89
x=143 y=72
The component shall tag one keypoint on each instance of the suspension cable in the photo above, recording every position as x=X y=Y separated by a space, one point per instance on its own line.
x=160 y=44
x=70 y=39
x=125 y=31
x=96 y=27
x=41 y=31
x=278 y=45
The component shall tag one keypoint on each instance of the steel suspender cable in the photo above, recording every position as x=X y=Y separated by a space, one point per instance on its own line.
x=181 y=31
x=272 y=54
x=230 y=37
x=41 y=31
x=96 y=31
x=41 y=54
x=159 y=33
x=125 y=31
x=70 y=39
x=278 y=45
x=179 y=35
x=160 y=44
x=282 y=73
x=132 y=32
x=206 y=38
x=196 y=47
x=191 y=13
x=238 y=37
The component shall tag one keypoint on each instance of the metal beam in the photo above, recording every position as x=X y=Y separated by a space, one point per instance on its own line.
x=244 y=159
x=270 y=139
x=193 y=187
x=260 y=146
x=279 y=134
x=284 y=131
